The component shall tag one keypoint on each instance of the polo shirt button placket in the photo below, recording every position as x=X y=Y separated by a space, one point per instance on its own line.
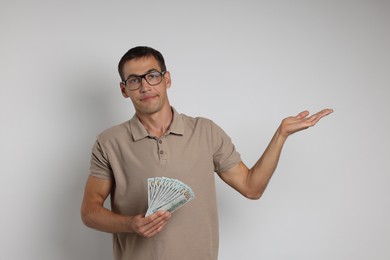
x=161 y=152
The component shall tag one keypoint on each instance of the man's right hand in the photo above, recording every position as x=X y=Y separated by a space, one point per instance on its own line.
x=150 y=225
x=95 y=215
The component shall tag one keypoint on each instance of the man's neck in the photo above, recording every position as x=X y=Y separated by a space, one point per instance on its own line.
x=157 y=123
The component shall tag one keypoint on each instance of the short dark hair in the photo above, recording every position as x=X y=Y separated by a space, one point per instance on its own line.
x=141 y=52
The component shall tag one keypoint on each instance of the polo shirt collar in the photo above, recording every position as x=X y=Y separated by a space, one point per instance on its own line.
x=139 y=132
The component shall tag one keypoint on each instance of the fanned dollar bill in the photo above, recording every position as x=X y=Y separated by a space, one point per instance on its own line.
x=167 y=194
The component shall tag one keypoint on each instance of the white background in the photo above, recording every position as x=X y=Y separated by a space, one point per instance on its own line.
x=244 y=64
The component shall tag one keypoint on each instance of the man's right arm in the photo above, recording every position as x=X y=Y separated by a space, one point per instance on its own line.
x=95 y=215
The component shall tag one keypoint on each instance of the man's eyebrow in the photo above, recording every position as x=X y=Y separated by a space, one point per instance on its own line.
x=137 y=75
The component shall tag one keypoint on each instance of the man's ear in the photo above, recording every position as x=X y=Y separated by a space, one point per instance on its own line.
x=123 y=90
x=167 y=77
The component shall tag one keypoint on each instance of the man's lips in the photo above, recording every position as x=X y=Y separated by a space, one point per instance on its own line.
x=146 y=98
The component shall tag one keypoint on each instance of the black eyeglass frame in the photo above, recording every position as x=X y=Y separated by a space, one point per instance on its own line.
x=143 y=76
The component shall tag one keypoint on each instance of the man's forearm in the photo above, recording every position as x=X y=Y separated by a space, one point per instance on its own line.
x=252 y=182
x=105 y=220
x=261 y=173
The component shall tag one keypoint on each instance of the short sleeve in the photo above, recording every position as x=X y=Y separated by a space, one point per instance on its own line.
x=225 y=155
x=100 y=166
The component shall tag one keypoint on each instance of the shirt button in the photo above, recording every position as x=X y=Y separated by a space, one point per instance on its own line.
x=160 y=141
x=161 y=152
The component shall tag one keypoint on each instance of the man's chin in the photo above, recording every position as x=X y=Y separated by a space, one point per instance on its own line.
x=148 y=110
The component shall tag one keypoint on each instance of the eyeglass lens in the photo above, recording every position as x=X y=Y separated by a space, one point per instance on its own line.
x=153 y=78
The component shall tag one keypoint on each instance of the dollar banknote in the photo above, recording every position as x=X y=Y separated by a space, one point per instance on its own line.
x=167 y=194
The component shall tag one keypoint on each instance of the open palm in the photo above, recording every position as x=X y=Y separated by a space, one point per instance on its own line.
x=301 y=121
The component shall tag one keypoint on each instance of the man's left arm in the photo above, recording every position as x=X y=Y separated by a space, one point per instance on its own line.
x=252 y=182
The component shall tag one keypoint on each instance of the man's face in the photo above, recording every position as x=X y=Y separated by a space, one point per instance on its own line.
x=147 y=99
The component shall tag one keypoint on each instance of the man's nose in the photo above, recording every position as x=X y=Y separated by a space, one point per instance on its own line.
x=144 y=85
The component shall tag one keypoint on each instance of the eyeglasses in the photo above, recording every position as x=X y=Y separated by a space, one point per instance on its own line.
x=153 y=78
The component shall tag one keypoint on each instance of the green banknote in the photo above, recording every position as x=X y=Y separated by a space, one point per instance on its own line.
x=167 y=194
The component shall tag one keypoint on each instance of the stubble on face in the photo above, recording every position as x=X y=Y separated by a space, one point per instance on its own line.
x=148 y=99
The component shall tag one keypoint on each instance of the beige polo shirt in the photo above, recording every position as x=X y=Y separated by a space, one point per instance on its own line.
x=191 y=151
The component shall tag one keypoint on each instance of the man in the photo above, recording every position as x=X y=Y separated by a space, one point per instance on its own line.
x=158 y=141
